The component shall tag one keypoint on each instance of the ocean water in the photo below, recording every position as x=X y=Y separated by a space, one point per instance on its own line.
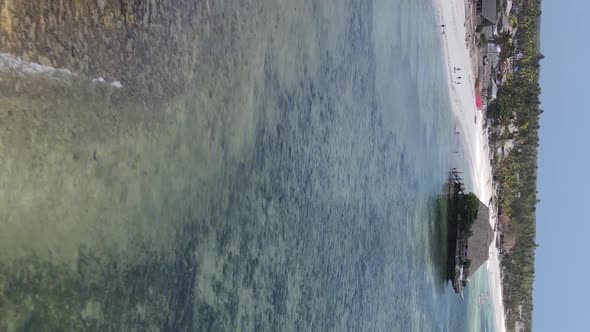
x=260 y=165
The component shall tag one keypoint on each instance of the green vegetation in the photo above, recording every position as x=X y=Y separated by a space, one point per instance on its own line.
x=483 y=40
x=513 y=21
x=467 y=208
x=518 y=105
x=504 y=40
x=467 y=264
x=470 y=206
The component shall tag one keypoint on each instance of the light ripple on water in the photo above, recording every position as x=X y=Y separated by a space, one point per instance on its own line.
x=289 y=186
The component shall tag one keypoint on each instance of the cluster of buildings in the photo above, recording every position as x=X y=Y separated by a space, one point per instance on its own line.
x=489 y=25
x=494 y=51
x=495 y=30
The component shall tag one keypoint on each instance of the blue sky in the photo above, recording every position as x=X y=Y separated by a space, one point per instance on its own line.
x=562 y=288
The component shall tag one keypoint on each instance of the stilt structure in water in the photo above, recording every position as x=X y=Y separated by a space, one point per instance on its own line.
x=470 y=232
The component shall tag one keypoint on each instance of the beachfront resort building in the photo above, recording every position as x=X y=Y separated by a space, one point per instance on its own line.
x=469 y=239
x=487 y=13
x=471 y=253
x=478 y=244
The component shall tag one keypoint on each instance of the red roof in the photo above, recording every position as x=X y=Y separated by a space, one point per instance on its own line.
x=478 y=102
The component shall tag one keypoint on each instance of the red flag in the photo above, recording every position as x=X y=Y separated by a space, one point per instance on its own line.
x=478 y=102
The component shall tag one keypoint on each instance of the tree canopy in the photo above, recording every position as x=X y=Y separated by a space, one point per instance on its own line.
x=518 y=104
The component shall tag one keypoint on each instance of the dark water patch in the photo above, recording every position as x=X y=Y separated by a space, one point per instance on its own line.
x=438 y=227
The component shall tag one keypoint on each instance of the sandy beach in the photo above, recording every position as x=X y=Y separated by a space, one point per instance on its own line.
x=470 y=127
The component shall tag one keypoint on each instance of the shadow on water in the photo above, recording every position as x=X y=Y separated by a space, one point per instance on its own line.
x=439 y=231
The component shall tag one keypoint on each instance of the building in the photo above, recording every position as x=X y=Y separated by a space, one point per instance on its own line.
x=504 y=24
x=478 y=245
x=467 y=255
x=508 y=8
x=487 y=13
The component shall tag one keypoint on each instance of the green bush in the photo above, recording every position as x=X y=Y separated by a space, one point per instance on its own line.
x=468 y=209
x=483 y=39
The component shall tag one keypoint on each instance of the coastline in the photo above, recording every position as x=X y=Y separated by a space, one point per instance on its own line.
x=470 y=130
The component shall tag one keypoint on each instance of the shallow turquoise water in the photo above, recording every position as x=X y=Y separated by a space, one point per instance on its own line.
x=291 y=184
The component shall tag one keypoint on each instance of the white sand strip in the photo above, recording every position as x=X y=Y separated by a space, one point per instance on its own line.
x=451 y=14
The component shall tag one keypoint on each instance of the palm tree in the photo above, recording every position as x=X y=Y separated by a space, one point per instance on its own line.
x=502 y=39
